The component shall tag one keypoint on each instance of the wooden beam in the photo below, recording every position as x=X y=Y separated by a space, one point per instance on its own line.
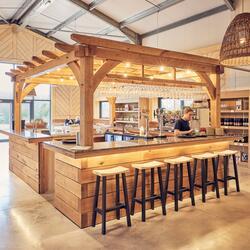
x=209 y=84
x=15 y=72
x=111 y=100
x=136 y=58
x=103 y=71
x=38 y=60
x=22 y=68
x=110 y=44
x=52 y=81
x=27 y=89
x=62 y=60
x=86 y=101
x=50 y=54
x=75 y=68
x=64 y=47
x=29 y=64
x=216 y=104
x=17 y=105
x=152 y=82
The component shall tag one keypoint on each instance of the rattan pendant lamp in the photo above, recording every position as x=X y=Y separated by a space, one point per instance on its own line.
x=235 y=49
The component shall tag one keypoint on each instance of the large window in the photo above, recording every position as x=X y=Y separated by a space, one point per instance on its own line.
x=104 y=109
x=174 y=104
x=38 y=106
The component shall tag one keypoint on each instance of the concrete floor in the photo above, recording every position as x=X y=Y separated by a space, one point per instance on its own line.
x=28 y=221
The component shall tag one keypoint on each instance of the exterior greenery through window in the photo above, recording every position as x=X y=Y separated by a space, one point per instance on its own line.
x=104 y=109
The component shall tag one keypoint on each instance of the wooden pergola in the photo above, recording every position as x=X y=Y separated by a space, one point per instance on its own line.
x=93 y=60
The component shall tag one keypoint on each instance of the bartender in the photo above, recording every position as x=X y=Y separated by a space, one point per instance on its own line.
x=182 y=126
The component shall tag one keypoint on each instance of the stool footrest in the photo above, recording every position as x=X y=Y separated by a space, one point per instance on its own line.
x=122 y=205
x=228 y=178
x=181 y=190
x=153 y=197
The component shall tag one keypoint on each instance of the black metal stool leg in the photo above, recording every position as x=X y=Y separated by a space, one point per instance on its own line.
x=203 y=180
x=125 y=191
x=181 y=182
x=95 y=204
x=161 y=191
x=206 y=174
x=134 y=192
x=167 y=182
x=117 y=200
x=143 y=195
x=215 y=167
x=176 y=187
x=194 y=174
x=236 y=174
x=225 y=175
x=152 y=188
x=191 y=187
x=104 y=205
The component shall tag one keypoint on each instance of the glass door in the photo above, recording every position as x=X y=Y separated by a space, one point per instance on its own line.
x=5 y=117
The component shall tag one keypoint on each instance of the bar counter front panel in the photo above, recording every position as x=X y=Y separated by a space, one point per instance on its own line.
x=75 y=182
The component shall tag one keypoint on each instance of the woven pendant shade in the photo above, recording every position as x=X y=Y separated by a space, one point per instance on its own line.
x=235 y=49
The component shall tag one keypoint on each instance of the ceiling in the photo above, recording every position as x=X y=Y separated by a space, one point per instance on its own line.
x=172 y=24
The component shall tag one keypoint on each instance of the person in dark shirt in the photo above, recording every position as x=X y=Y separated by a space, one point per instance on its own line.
x=182 y=125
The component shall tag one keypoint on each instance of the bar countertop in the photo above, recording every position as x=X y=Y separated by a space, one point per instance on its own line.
x=104 y=148
x=33 y=137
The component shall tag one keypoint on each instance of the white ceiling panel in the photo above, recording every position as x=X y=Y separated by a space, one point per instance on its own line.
x=120 y=9
x=88 y=23
x=195 y=35
x=174 y=13
x=9 y=7
x=64 y=36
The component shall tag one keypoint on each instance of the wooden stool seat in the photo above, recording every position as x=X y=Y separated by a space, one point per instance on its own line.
x=205 y=156
x=227 y=152
x=148 y=165
x=178 y=160
x=110 y=171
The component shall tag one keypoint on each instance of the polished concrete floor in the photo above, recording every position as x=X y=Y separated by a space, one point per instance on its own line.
x=28 y=221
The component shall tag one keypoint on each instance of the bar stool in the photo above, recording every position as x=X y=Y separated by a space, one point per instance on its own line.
x=143 y=167
x=204 y=173
x=179 y=189
x=116 y=171
x=226 y=155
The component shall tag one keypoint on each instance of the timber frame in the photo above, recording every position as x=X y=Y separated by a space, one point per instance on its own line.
x=94 y=60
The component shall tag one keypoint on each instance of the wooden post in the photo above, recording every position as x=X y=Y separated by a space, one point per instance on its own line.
x=86 y=100
x=143 y=109
x=111 y=101
x=216 y=104
x=17 y=106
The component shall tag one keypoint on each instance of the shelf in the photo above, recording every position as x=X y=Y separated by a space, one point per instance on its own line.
x=130 y=111
x=235 y=127
x=234 y=111
x=133 y=122
x=239 y=144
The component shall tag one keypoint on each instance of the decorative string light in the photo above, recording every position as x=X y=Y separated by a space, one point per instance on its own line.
x=127 y=64
x=162 y=68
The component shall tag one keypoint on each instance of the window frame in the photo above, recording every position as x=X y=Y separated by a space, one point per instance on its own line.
x=101 y=110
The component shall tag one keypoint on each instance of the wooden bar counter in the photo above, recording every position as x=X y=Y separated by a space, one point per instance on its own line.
x=30 y=161
x=75 y=183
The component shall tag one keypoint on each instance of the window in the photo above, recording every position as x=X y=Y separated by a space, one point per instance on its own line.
x=174 y=104
x=42 y=110
x=104 y=109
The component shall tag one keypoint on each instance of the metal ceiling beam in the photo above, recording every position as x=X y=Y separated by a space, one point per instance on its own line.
x=95 y=3
x=28 y=11
x=66 y=22
x=157 y=8
x=230 y=4
x=186 y=21
x=133 y=36
x=20 y=10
